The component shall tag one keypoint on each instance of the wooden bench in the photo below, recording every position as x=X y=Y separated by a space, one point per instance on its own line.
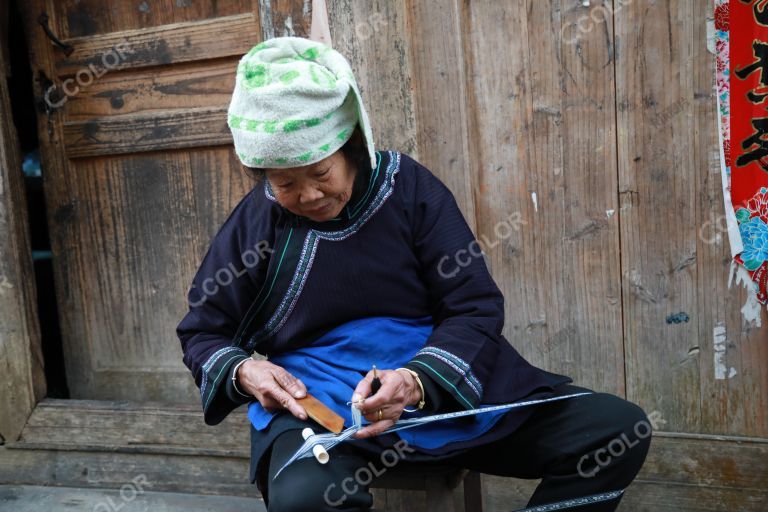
x=439 y=483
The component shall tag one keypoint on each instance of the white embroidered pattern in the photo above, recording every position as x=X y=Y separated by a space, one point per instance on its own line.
x=459 y=365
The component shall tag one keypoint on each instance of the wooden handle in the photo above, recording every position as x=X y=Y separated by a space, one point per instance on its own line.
x=319 y=412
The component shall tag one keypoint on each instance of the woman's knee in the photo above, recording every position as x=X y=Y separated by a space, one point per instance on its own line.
x=627 y=429
x=306 y=485
x=296 y=498
x=634 y=422
x=317 y=494
x=620 y=415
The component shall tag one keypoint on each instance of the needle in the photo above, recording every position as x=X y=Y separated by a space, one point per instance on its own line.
x=376 y=382
x=375 y=386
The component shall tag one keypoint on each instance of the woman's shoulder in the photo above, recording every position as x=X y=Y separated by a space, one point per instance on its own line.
x=406 y=163
x=254 y=214
x=415 y=180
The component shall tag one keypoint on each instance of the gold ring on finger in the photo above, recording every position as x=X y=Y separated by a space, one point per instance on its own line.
x=380 y=414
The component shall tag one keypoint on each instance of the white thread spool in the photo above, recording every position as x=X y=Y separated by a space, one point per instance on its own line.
x=319 y=452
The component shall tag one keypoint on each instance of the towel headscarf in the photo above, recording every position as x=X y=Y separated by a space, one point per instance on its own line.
x=295 y=103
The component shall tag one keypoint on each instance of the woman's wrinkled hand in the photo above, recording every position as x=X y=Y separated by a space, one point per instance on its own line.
x=272 y=386
x=398 y=390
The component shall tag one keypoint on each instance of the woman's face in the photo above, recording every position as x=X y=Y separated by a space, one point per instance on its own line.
x=318 y=191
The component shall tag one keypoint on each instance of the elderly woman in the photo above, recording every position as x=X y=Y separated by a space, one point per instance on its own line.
x=342 y=257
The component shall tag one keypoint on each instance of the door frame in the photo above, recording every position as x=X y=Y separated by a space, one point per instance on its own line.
x=21 y=356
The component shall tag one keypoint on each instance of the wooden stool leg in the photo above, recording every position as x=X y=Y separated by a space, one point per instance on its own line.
x=439 y=495
x=473 y=492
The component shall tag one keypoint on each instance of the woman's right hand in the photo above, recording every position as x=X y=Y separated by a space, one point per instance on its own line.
x=272 y=386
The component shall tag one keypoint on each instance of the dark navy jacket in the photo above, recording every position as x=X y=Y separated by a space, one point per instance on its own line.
x=391 y=253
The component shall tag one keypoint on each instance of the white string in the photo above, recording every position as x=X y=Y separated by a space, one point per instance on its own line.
x=330 y=440
x=357 y=416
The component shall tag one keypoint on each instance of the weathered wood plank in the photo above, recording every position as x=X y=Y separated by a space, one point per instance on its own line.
x=281 y=18
x=642 y=496
x=168 y=44
x=440 y=96
x=707 y=461
x=705 y=473
x=21 y=358
x=193 y=473
x=184 y=86
x=645 y=496
x=543 y=161
x=83 y=18
x=131 y=424
x=134 y=495
x=373 y=36
x=398 y=501
x=675 y=259
x=187 y=128
x=149 y=449
x=656 y=185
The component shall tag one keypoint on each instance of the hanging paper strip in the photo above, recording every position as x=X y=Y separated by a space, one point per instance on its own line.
x=742 y=91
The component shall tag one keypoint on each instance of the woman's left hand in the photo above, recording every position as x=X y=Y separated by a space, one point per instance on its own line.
x=398 y=390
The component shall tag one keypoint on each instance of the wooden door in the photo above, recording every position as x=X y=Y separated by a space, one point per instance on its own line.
x=139 y=174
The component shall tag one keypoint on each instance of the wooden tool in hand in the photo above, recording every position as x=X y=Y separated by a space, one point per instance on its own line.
x=319 y=412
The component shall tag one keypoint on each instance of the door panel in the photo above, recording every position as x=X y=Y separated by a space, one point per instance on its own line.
x=139 y=175
x=84 y=18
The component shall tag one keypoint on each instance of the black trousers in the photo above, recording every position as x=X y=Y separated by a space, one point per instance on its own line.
x=583 y=449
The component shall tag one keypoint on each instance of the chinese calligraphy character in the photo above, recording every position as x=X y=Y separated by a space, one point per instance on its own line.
x=759 y=9
x=760 y=50
x=756 y=146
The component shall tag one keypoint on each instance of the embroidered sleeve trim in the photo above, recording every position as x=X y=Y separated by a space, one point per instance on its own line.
x=453 y=389
x=454 y=361
x=214 y=369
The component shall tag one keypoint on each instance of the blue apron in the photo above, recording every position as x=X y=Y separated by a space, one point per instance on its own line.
x=333 y=365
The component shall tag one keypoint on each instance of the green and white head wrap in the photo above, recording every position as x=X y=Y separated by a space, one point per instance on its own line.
x=295 y=102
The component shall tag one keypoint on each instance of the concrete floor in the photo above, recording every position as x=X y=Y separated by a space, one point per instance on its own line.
x=27 y=498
